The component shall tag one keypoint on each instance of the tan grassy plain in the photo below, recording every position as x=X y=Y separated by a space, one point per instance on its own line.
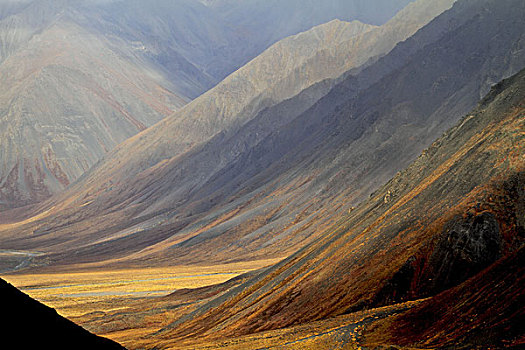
x=78 y=293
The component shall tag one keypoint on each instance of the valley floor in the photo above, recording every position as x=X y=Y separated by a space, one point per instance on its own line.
x=127 y=305
x=343 y=332
x=74 y=294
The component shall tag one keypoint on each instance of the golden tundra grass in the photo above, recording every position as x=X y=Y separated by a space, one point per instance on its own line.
x=78 y=293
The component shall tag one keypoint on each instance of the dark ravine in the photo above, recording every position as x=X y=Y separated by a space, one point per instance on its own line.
x=29 y=324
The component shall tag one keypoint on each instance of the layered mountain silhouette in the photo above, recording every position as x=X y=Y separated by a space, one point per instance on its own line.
x=237 y=105
x=80 y=77
x=31 y=325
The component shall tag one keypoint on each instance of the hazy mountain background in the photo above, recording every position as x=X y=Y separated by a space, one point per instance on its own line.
x=81 y=77
x=155 y=184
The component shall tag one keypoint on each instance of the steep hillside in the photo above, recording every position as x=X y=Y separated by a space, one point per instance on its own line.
x=452 y=220
x=205 y=138
x=21 y=20
x=31 y=325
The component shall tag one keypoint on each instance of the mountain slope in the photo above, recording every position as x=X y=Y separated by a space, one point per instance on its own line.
x=31 y=325
x=67 y=100
x=456 y=211
x=124 y=179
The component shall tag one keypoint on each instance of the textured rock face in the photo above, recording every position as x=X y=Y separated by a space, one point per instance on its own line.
x=466 y=247
x=487 y=310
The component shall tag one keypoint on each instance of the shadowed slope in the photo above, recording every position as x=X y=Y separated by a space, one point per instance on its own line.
x=487 y=310
x=31 y=325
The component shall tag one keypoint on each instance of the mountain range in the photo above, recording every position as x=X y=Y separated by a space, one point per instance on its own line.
x=80 y=77
x=220 y=179
x=378 y=156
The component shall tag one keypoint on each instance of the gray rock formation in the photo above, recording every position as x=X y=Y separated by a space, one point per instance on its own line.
x=67 y=98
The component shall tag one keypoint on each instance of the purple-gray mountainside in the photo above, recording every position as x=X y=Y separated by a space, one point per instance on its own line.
x=264 y=186
x=80 y=77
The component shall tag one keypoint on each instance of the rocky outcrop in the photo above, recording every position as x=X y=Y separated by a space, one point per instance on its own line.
x=466 y=246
